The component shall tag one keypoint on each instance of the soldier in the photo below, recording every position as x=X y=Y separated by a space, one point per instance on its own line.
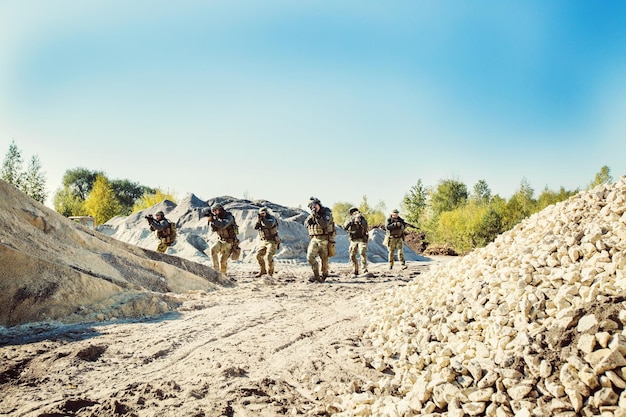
x=321 y=229
x=223 y=223
x=267 y=225
x=165 y=230
x=395 y=237
x=356 y=226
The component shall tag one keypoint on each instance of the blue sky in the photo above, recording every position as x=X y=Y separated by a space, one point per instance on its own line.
x=282 y=100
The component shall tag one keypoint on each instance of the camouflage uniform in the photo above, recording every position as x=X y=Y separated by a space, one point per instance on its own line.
x=223 y=223
x=165 y=231
x=321 y=228
x=395 y=236
x=356 y=226
x=267 y=225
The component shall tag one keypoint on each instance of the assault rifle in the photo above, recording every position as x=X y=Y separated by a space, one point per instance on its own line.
x=149 y=218
x=209 y=214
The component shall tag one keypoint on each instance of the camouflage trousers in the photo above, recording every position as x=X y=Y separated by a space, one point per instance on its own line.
x=396 y=244
x=358 y=247
x=318 y=246
x=220 y=251
x=163 y=246
x=265 y=256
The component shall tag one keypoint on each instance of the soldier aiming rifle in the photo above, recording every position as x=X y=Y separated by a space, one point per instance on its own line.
x=165 y=230
x=394 y=238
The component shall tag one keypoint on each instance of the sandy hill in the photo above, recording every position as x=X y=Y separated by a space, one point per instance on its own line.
x=54 y=269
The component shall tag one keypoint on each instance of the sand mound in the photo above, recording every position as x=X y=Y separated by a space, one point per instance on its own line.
x=54 y=269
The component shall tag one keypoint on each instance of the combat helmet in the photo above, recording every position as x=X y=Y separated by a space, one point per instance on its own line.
x=263 y=210
x=313 y=201
x=353 y=209
x=217 y=206
x=159 y=213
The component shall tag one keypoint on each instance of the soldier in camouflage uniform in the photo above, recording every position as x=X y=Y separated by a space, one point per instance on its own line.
x=321 y=228
x=223 y=223
x=165 y=230
x=395 y=237
x=267 y=225
x=356 y=227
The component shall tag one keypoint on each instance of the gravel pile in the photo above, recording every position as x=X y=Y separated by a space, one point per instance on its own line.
x=531 y=325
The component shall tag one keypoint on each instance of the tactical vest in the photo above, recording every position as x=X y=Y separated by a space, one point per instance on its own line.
x=317 y=230
x=228 y=233
x=269 y=233
x=396 y=231
x=168 y=234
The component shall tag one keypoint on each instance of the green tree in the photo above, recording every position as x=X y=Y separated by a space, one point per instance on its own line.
x=460 y=228
x=341 y=212
x=102 y=202
x=482 y=192
x=68 y=204
x=415 y=202
x=32 y=181
x=520 y=205
x=489 y=227
x=374 y=215
x=602 y=177
x=12 y=166
x=128 y=193
x=80 y=181
x=78 y=184
x=448 y=195
x=548 y=197
x=150 y=199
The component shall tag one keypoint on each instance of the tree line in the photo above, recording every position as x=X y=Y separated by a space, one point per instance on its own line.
x=83 y=192
x=451 y=216
x=448 y=214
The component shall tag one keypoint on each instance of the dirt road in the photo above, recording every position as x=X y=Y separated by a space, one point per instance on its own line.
x=267 y=347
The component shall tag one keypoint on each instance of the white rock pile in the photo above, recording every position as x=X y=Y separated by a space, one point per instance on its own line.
x=531 y=325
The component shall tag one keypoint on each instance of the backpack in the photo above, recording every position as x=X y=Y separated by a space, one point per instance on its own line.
x=169 y=233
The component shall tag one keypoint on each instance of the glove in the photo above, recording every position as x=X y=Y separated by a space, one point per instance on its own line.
x=257 y=226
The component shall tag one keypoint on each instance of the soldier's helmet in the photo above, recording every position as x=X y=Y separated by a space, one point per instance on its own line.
x=353 y=209
x=217 y=207
x=263 y=210
x=313 y=201
x=159 y=213
x=395 y=211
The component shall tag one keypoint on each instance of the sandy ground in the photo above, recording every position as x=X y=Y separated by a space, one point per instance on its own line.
x=267 y=347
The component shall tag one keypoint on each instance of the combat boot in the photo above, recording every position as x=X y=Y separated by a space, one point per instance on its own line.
x=315 y=277
x=260 y=274
x=356 y=272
